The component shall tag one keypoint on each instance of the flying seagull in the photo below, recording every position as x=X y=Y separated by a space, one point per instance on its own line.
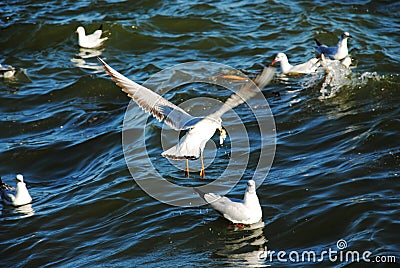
x=308 y=67
x=335 y=53
x=199 y=129
x=247 y=211
x=15 y=197
x=91 y=40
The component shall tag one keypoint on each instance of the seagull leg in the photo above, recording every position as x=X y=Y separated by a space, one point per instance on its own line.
x=240 y=225
x=187 y=168
x=202 y=174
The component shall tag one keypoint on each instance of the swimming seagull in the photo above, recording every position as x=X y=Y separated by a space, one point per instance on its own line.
x=335 y=53
x=6 y=71
x=15 y=197
x=91 y=40
x=308 y=67
x=199 y=129
x=247 y=211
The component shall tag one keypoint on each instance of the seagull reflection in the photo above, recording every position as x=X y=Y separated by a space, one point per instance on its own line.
x=243 y=246
x=18 y=212
x=85 y=54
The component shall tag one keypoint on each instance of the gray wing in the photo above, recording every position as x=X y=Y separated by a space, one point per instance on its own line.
x=329 y=51
x=247 y=91
x=324 y=49
x=151 y=102
x=4 y=67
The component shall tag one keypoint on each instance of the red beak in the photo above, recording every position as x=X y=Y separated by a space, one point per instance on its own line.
x=273 y=62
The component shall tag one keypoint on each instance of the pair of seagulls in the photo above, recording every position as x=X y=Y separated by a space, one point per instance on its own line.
x=247 y=211
x=17 y=196
x=199 y=131
x=339 y=52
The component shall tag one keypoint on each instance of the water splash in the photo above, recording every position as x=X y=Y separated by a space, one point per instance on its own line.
x=338 y=75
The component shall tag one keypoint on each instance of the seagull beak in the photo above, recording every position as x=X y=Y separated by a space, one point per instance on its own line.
x=222 y=136
x=273 y=62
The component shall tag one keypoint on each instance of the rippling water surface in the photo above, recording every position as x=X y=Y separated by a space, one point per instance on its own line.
x=336 y=170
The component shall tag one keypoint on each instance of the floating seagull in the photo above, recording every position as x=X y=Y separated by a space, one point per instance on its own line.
x=247 y=211
x=308 y=67
x=335 y=53
x=7 y=71
x=199 y=129
x=21 y=195
x=91 y=40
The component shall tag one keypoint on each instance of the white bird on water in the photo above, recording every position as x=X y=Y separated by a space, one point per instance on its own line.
x=199 y=129
x=335 y=53
x=15 y=197
x=7 y=71
x=91 y=40
x=247 y=211
x=308 y=67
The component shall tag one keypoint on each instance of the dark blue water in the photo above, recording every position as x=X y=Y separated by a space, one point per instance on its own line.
x=335 y=173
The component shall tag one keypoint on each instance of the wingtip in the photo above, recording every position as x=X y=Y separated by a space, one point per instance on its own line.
x=199 y=192
x=105 y=65
x=265 y=77
x=101 y=27
x=100 y=60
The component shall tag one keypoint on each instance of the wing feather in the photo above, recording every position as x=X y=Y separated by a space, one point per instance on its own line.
x=151 y=102
x=246 y=92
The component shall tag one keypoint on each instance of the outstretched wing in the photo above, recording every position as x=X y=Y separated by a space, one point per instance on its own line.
x=247 y=91
x=151 y=102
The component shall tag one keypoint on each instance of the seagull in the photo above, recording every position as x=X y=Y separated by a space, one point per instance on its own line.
x=308 y=67
x=6 y=71
x=199 y=129
x=335 y=53
x=92 y=40
x=247 y=211
x=16 y=198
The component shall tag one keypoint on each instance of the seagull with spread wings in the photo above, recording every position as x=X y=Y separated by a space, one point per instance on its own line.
x=199 y=129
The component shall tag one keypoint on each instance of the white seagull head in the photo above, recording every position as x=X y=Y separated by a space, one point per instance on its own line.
x=19 y=178
x=345 y=35
x=251 y=186
x=279 y=58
